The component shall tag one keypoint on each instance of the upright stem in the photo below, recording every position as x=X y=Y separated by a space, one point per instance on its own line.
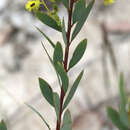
x=68 y=34
x=58 y=126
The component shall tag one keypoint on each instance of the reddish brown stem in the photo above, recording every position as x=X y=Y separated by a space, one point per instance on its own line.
x=68 y=34
x=61 y=105
x=58 y=126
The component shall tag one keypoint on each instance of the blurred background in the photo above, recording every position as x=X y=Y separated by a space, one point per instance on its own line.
x=23 y=60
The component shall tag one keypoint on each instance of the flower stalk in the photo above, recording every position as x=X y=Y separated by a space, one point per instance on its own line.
x=58 y=126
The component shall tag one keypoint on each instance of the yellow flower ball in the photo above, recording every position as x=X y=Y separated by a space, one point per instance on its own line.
x=107 y=2
x=32 y=5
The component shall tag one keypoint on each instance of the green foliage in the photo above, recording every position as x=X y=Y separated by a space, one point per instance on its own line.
x=55 y=16
x=78 y=53
x=48 y=20
x=73 y=90
x=82 y=18
x=46 y=91
x=115 y=118
x=58 y=53
x=64 y=32
x=77 y=14
x=124 y=116
x=55 y=7
x=3 y=125
x=122 y=91
x=65 y=3
x=56 y=104
x=120 y=119
x=63 y=76
x=122 y=109
x=67 y=123
x=39 y=116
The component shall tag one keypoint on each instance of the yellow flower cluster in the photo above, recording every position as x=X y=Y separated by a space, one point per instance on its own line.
x=107 y=2
x=32 y=5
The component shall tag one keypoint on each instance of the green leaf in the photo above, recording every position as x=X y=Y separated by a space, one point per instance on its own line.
x=3 y=125
x=63 y=75
x=83 y=18
x=46 y=91
x=58 y=53
x=124 y=115
x=78 y=53
x=46 y=19
x=73 y=90
x=115 y=118
x=56 y=104
x=67 y=122
x=52 y=44
x=123 y=112
x=77 y=14
x=65 y=3
x=64 y=32
x=39 y=116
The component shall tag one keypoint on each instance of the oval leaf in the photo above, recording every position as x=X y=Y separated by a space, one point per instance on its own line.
x=67 y=122
x=78 y=53
x=56 y=104
x=73 y=90
x=115 y=118
x=82 y=20
x=64 y=32
x=124 y=115
x=77 y=14
x=46 y=19
x=65 y=3
x=63 y=76
x=3 y=125
x=58 y=53
x=46 y=91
